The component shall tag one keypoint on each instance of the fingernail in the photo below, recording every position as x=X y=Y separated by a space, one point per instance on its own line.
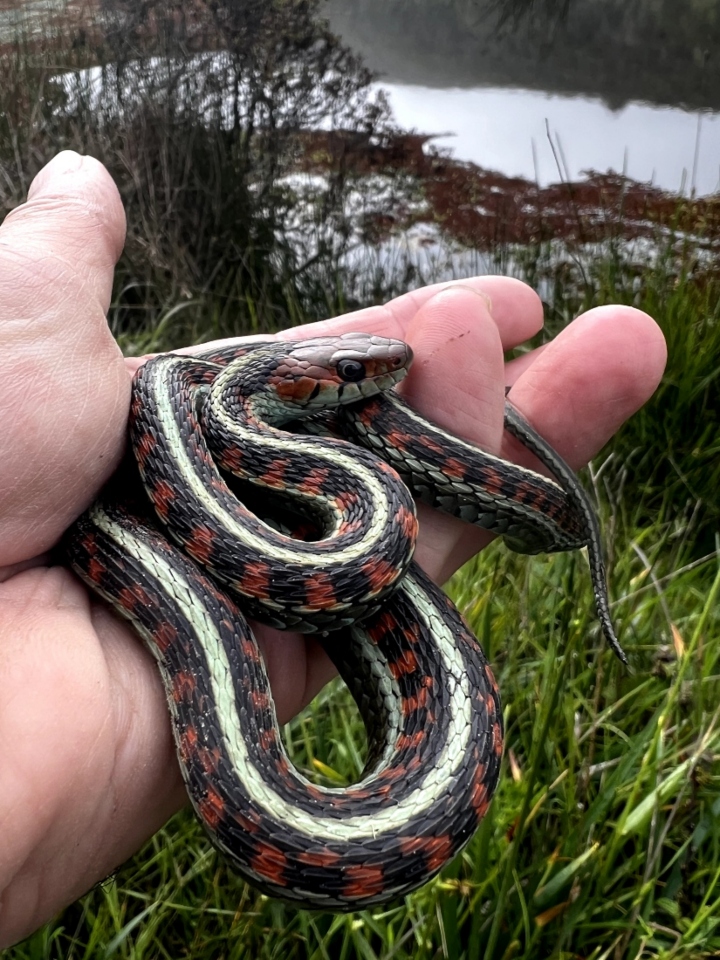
x=67 y=163
x=459 y=285
x=478 y=293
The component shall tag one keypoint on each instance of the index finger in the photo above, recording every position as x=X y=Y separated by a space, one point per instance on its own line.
x=516 y=309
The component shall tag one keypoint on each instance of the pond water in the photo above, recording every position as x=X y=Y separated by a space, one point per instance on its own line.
x=545 y=137
x=545 y=93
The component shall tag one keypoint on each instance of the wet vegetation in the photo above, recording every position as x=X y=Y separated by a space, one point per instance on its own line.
x=266 y=184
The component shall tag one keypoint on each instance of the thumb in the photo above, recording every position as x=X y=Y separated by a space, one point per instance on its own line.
x=64 y=390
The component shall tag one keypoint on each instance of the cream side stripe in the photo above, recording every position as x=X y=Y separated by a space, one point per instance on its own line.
x=369 y=479
x=348 y=462
x=168 y=426
x=430 y=789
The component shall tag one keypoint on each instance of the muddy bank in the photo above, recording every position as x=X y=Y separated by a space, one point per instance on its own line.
x=482 y=209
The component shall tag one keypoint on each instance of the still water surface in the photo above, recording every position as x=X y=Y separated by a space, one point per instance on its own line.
x=543 y=137
x=549 y=97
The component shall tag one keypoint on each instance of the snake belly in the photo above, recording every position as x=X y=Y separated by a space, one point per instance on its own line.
x=421 y=681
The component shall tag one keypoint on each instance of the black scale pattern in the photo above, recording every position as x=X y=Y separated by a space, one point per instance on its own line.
x=541 y=520
x=243 y=828
x=531 y=513
x=323 y=872
x=289 y=586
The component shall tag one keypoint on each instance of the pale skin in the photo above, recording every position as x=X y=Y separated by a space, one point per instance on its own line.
x=89 y=770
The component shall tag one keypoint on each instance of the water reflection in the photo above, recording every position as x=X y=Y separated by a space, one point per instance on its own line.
x=621 y=86
x=206 y=148
x=548 y=138
x=654 y=51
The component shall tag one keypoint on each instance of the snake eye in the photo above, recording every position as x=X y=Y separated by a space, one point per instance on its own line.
x=351 y=370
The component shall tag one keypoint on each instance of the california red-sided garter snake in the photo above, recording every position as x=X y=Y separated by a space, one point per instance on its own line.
x=421 y=681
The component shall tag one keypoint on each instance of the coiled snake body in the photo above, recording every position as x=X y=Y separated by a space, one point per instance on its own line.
x=422 y=683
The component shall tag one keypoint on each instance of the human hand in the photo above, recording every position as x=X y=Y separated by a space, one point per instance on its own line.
x=89 y=769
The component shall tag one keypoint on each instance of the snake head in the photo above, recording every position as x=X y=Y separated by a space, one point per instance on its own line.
x=325 y=372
